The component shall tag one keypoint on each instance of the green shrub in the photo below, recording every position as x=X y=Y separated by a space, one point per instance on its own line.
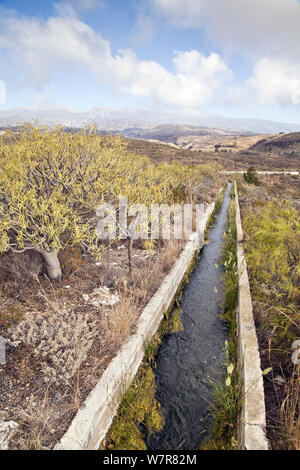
x=251 y=176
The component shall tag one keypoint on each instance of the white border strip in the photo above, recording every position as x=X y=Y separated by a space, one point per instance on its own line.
x=94 y=418
x=253 y=420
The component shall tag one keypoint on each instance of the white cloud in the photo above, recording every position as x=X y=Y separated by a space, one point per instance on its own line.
x=193 y=84
x=273 y=82
x=276 y=82
x=196 y=79
x=41 y=47
x=2 y=92
x=265 y=31
x=256 y=27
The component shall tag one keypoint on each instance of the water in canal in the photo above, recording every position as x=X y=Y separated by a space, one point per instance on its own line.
x=188 y=360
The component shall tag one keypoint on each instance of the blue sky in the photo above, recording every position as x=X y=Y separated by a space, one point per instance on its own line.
x=237 y=58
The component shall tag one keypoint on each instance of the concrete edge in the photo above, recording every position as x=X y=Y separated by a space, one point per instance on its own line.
x=93 y=420
x=252 y=426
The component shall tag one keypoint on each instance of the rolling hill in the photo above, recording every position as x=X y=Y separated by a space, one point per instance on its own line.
x=278 y=143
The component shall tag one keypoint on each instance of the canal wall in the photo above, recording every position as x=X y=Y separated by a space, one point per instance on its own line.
x=252 y=425
x=93 y=420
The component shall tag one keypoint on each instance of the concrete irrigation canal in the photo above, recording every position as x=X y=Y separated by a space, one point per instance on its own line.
x=187 y=361
x=125 y=406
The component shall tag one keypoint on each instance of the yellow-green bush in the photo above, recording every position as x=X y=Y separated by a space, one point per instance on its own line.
x=51 y=183
x=273 y=258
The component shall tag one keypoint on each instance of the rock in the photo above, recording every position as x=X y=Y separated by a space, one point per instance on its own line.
x=7 y=430
x=102 y=296
x=57 y=397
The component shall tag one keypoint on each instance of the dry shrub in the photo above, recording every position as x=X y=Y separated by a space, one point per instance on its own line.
x=168 y=255
x=37 y=422
x=145 y=285
x=62 y=338
x=290 y=412
x=116 y=324
x=41 y=418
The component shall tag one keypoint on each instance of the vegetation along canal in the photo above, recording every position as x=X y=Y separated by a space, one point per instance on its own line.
x=189 y=360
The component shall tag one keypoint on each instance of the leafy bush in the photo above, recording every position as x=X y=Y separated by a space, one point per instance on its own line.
x=251 y=176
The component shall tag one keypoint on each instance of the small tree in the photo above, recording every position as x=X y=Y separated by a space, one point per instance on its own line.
x=52 y=182
x=50 y=186
x=251 y=176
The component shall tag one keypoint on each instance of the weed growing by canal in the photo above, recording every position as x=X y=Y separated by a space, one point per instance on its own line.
x=218 y=205
x=139 y=414
x=230 y=277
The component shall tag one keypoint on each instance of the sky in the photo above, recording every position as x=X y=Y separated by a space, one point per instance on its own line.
x=235 y=58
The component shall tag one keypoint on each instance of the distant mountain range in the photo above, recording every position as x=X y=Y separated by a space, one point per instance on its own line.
x=171 y=132
x=138 y=123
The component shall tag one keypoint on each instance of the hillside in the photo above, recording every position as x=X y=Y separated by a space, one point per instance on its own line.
x=162 y=153
x=233 y=152
x=225 y=143
x=279 y=143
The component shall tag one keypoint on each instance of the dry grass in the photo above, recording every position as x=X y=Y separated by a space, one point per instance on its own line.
x=117 y=324
x=21 y=268
x=169 y=256
x=40 y=417
x=37 y=420
x=290 y=412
